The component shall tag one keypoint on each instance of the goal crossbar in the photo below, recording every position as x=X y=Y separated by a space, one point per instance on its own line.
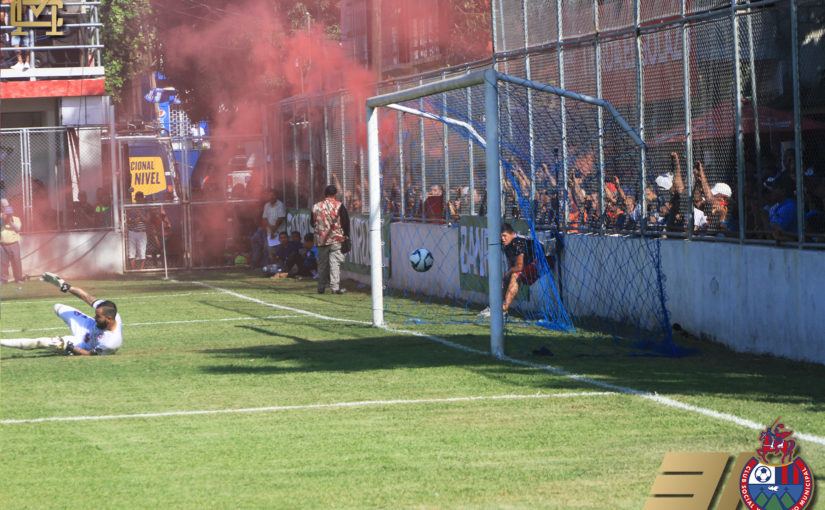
x=489 y=78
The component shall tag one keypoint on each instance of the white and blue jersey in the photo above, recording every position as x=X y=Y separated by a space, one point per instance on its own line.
x=86 y=333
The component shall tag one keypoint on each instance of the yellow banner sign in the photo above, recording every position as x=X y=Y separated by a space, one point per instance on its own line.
x=148 y=175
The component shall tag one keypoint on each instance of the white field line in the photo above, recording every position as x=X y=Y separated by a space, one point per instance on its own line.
x=281 y=307
x=363 y=403
x=7 y=302
x=654 y=397
x=130 y=324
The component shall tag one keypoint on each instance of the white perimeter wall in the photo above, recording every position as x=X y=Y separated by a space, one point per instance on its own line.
x=758 y=299
x=73 y=254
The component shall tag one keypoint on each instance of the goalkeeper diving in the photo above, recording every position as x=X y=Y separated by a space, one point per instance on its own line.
x=101 y=334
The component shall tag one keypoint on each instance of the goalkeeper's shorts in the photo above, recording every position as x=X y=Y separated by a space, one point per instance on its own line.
x=529 y=274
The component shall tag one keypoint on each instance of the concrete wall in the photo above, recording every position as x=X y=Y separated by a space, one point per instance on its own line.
x=73 y=254
x=758 y=299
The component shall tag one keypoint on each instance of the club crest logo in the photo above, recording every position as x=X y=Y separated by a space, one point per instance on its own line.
x=786 y=485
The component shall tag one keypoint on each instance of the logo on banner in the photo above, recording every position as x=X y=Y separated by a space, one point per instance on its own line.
x=787 y=484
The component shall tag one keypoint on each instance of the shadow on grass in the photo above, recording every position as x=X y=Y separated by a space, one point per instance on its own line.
x=368 y=354
x=709 y=369
x=715 y=371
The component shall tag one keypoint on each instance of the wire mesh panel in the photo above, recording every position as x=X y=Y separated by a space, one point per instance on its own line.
x=302 y=155
x=650 y=10
x=224 y=203
x=664 y=122
x=352 y=185
x=577 y=18
x=508 y=17
x=713 y=118
x=542 y=26
x=335 y=145
x=614 y=15
x=809 y=20
x=13 y=153
x=443 y=179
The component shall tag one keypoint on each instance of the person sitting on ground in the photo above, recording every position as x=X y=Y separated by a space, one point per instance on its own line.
x=283 y=251
x=101 y=334
x=304 y=262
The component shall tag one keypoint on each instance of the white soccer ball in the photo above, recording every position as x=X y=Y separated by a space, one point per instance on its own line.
x=762 y=474
x=421 y=260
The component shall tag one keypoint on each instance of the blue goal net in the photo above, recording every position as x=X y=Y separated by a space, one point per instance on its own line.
x=580 y=254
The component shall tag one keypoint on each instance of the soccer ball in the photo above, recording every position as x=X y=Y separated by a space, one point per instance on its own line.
x=421 y=260
x=762 y=474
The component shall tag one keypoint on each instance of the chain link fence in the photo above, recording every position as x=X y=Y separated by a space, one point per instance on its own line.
x=52 y=178
x=717 y=91
x=725 y=87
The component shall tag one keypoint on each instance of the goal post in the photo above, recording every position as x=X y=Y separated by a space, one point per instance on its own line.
x=489 y=78
x=503 y=128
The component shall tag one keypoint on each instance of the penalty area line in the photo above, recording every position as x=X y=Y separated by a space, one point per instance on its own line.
x=362 y=403
x=193 y=321
x=282 y=307
x=653 y=397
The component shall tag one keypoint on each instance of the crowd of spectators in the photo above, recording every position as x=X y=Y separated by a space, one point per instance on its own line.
x=709 y=208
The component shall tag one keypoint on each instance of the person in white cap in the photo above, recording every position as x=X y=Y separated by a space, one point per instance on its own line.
x=10 y=245
x=714 y=199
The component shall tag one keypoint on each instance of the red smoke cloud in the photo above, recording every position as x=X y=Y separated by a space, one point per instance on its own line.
x=231 y=66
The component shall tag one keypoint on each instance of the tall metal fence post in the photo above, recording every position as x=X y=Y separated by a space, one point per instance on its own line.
x=688 y=131
x=401 y=171
x=309 y=156
x=599 y=112
x=797 y=126
x=445 y=147
x=563 y=106
x=471 y=152
x=295 y=158
x=422 y=147
x=756 y=137
x=530 y=135
x=641 y=113
x=343 y=192
x=326 y=142
x=115 y=170
x=740 y=135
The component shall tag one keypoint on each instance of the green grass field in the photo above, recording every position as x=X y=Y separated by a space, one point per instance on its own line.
x=233 y=391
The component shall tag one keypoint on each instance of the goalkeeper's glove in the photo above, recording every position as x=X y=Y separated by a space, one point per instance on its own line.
x=57 y=281
x=65 y=345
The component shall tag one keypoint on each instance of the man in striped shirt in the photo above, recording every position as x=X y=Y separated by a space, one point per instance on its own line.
x=136 y=221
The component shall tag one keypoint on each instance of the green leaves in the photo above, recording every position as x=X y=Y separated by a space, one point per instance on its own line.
x=129 y=40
